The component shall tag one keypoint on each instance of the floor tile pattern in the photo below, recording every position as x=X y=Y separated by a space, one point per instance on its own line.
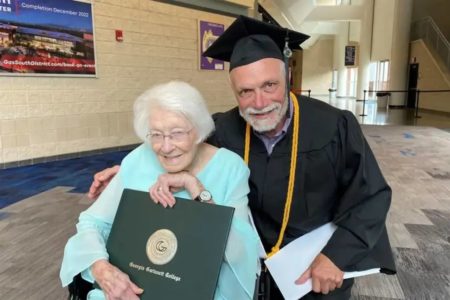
x=416 y=163
x=414 y=160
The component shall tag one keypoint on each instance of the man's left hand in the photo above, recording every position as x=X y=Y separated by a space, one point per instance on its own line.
x=325 y=275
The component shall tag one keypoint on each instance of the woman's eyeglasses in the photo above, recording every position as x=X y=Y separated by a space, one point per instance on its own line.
x=176 y=136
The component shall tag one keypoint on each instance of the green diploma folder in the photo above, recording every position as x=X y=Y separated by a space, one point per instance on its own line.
x=172 y=253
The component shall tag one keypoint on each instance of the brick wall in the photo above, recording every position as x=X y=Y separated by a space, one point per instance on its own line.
x=48 y=116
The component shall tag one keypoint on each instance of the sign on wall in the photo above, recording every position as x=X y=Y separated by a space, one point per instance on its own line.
x=208 y=33
x=351 y=56
x=46 y=37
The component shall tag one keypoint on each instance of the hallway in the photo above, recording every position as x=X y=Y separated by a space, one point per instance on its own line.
x=40 y=205
x=376 y=115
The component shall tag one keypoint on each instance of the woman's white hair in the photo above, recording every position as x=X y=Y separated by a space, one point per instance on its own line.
x=175 y=96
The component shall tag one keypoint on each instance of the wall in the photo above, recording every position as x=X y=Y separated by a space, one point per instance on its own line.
x=430 y=78
x=437 y=9
x=325 y=2
x=246 y=3
x=365 y=43
x=340 y=41
x=354 y=31
x=296 y=65
x=399 y=53
x=47 y=116
x=318 y=67
x=383 y=26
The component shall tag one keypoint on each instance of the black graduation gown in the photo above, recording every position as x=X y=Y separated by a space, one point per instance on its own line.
x=337 y=179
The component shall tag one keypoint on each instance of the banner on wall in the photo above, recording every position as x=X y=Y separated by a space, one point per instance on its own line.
x=351 y=56
x=46 y=37
x=208 y=33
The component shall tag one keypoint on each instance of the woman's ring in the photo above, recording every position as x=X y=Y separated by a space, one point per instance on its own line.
x=159 y=189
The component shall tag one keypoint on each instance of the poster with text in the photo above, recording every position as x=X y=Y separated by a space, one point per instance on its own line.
x=46 y=37
x=208 y=33
x=351 y=56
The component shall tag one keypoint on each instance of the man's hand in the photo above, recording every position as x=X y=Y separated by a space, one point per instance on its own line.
x=325 y=275
x=115 y=284
x=101 y=181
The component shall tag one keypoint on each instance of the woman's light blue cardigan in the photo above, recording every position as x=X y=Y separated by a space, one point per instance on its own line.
x=225 y=176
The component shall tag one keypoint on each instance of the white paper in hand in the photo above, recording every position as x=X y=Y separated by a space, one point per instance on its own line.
x=294 y=258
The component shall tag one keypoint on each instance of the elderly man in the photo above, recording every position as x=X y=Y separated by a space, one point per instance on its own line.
x=309 y=162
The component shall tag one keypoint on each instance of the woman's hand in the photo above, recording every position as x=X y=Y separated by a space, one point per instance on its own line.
x=115 y=284
x=169 y=183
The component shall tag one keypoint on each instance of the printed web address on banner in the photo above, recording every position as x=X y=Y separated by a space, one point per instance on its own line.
x=46 y=64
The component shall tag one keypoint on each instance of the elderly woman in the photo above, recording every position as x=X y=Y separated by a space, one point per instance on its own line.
x=173 y=121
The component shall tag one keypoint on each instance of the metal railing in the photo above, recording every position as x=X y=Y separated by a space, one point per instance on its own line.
x=427 y=30
x=388 y=93
x=299 y=92
x=330 y=91
x=425 y=91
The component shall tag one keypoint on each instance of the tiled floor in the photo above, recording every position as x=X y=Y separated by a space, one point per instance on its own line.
x=376 y=115
x=416 y=163
x=39 y=206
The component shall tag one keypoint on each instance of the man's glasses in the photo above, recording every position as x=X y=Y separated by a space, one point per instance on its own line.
x=176 y=136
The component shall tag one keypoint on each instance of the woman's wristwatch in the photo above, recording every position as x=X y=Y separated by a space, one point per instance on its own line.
x=204 y=196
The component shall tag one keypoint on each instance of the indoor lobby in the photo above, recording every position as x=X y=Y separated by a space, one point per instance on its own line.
x=57 y=130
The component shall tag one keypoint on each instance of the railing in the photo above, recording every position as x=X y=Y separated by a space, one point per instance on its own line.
x=298 y=91
x=427 y=30
x=387 y=93
x=378 y=92
x=330 y=91
x=425 y=91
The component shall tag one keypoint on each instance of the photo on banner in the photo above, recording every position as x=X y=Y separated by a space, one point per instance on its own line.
x=47 y=37
x=208 y=33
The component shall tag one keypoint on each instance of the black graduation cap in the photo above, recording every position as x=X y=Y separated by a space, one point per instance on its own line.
x=248 y=40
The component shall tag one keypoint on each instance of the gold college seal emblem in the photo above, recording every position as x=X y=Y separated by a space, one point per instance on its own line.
x=162 y=246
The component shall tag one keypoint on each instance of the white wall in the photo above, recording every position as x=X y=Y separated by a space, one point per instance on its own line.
x=399 y=50
x=431 y=77
x=382 y=30
x=354 y=34
x=340 y=41
x=318 y=66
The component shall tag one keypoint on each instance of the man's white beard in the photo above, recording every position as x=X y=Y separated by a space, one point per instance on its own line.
x=267 y=124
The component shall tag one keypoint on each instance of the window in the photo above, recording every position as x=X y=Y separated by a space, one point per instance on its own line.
x=378 y=77
x=351 y=82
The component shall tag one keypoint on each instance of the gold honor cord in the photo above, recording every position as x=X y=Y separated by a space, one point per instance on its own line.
x=293 y=166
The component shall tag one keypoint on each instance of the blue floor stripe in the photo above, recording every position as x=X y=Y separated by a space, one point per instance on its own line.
x=20 y=183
